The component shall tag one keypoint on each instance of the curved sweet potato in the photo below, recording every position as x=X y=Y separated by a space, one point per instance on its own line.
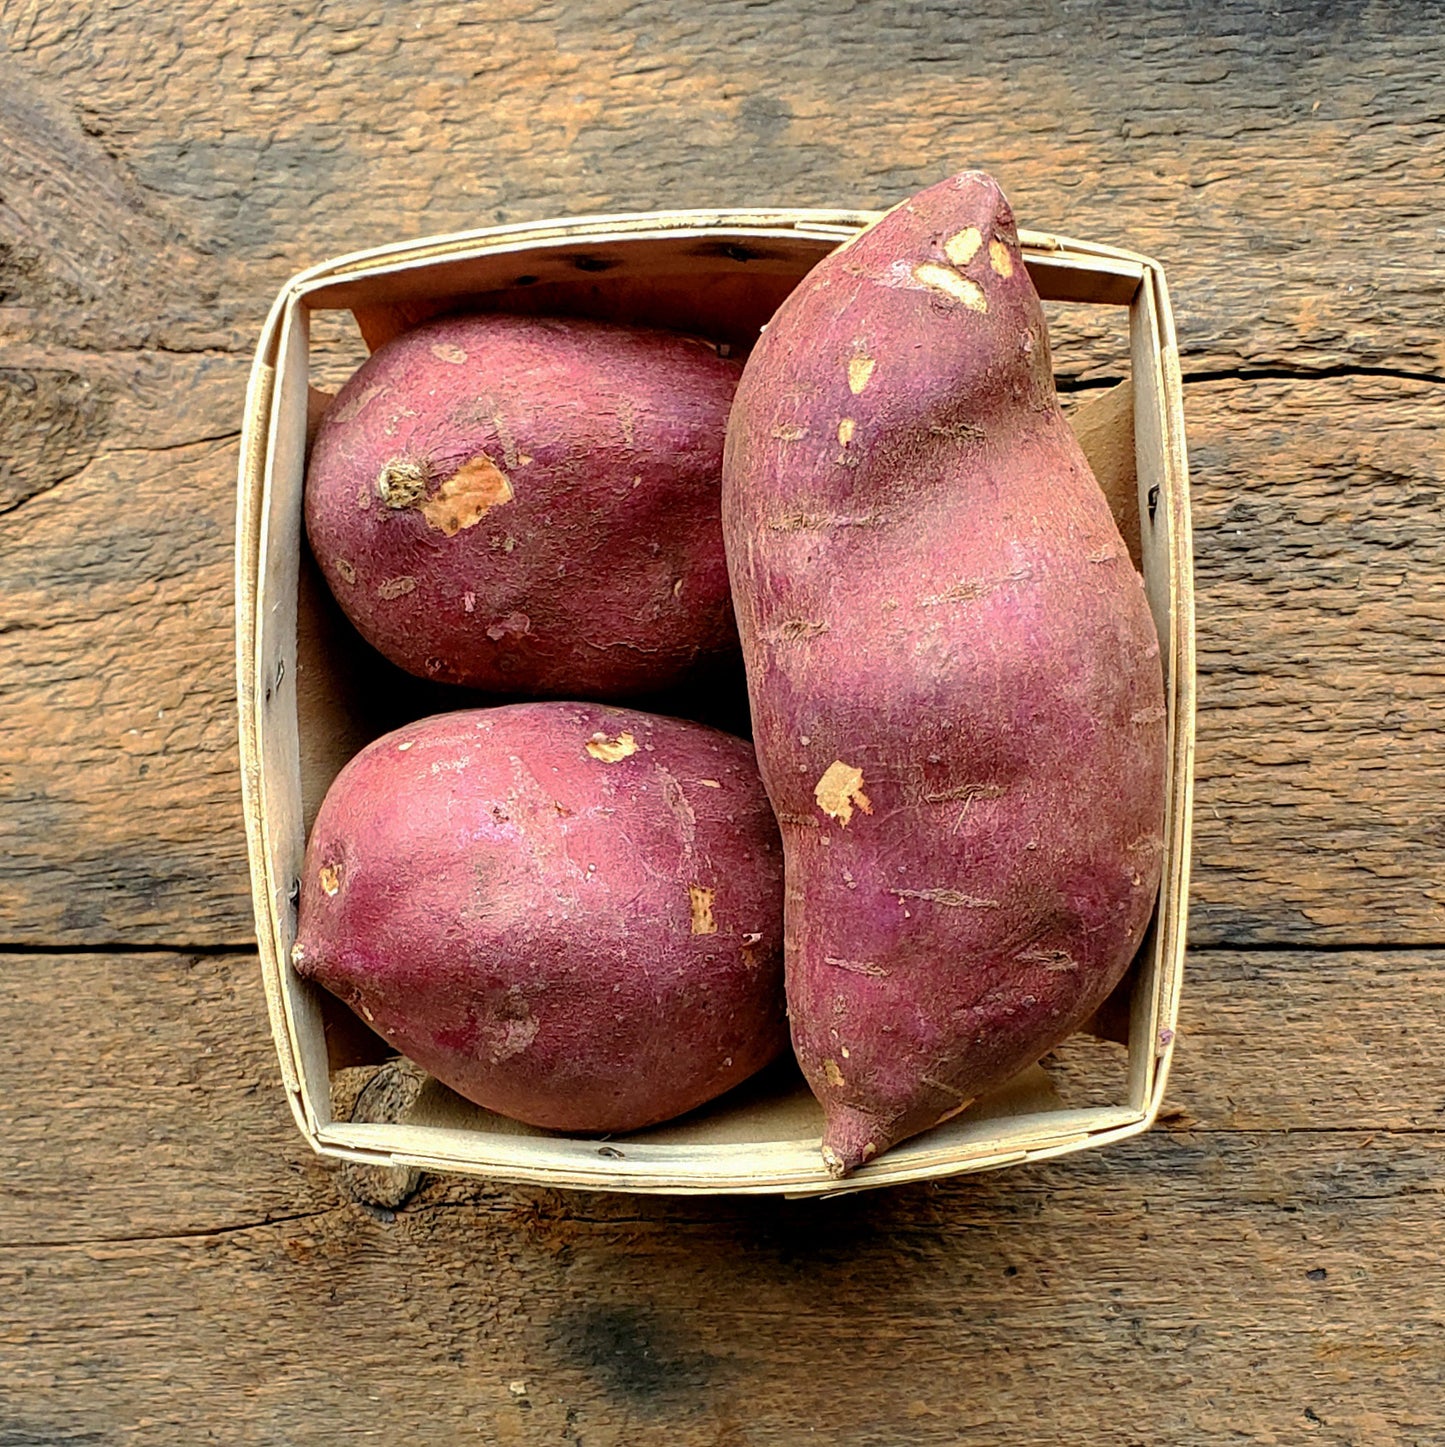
x=955 y=681
x=568 y=913
x=530 y=505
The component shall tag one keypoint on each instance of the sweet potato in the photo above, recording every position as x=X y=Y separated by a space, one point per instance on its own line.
x=956 y=685
x=568 y=913
x=530 y=505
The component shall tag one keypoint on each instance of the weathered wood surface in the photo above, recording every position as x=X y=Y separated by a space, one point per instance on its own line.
x=177 y=1266
x=1264 y=1267
x=175 y=162
x=1321 y=573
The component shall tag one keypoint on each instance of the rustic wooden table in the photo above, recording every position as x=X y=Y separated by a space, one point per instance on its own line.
x=1265 y=1266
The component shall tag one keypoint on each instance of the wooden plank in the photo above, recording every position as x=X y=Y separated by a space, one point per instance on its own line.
x=119 y=793
x=1187 y=1289
x=140 y=1093
x=166 y=170
x=140 y=1096
x=1320 y=562
x=174 y=1261
x=1321 y=577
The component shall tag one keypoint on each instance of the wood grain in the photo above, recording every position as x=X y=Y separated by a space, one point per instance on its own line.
x=169 y=166
x=1263 y=1268
x=176 y=1265
x=1187 y=1290
x=1321 y=578
x=1320 y=561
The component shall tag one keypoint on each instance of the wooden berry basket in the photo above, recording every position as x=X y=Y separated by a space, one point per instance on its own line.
x=309 y=692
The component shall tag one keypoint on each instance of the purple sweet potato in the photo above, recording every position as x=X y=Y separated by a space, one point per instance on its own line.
x=570 y=914
x=530 y=505
x=956 y=685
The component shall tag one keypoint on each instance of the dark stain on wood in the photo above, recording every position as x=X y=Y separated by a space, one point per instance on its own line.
x=636 y=1355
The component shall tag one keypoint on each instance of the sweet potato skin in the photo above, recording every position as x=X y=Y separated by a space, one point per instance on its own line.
x=955 y=681
x=530 y=505
x=568 y=913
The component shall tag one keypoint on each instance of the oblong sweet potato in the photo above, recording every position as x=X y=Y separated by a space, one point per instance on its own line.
x=955 y=681
x=530 y=505
x=568 y=913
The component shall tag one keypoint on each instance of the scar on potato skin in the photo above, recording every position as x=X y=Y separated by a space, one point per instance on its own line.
x=964 y=793
x=858 y=967
x=611 y=751
x=467 y=496
x=860 y=372
x=951 y=284
x=833 y=1075
x=808 y=521
x=949 y=898
x=330 y=879
x=700 y=905
x=1000 y=260
x=962 y=246
x=839 y=790
x=795 y=630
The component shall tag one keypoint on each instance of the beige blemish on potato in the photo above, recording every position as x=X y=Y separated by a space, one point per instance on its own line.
x=1000 y=260
x=395 y=587
x=944 y=279
x=857 y=967
x=860 y=372
x=833 y=1074
x=467 y=496
x=356 y=405
x=840 y=790
x=710 y=783
x=846 y=427
x=448 y=352
x=330 y=878
x=789 y=432
x=297 y=954
x=962 y=246
x=700 y=904
x=964 y=793
x=965 y=592
x=795 y=630
x=949 y=898
x=611 y=751
x=808 y=521
x=1055 y=961
x=517 y=1031
x=514 y=625
x=345 y=570
x=1148 y=716
x=401 y=483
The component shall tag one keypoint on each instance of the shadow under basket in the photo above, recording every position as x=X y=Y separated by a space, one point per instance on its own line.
x=312 y=693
